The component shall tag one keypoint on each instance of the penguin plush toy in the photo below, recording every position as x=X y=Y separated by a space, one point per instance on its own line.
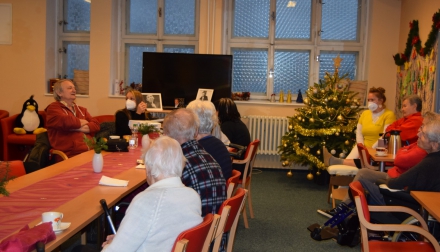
x=29 y=121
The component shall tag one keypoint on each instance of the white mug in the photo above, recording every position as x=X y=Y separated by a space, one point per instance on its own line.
x=54 y=217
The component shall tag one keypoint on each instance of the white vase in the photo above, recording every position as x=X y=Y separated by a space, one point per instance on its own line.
x=145 y=141
x=97 y=162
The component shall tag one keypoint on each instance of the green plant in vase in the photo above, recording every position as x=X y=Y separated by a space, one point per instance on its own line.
x=97 y=145
x=149 y=129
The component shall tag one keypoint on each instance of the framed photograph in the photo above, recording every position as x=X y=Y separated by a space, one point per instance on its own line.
x=153 y=101
x=204 y=94
x=179 y=102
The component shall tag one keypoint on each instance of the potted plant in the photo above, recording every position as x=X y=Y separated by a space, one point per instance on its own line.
x=149 y=129
x=4 y=177
x=97 y=146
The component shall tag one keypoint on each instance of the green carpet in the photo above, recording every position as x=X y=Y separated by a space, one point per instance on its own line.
x=284 y=207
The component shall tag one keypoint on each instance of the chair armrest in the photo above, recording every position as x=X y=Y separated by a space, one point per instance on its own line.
x=401 y=209
x=59 y=153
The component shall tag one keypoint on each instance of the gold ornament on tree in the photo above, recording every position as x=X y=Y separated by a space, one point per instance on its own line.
x=289 y=174
x=310 y=176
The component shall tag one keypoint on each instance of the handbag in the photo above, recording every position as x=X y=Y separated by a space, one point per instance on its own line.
x=117 y=145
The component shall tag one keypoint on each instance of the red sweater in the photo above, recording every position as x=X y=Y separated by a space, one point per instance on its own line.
x=61 y=124
x=408 y=126
x=406 y=158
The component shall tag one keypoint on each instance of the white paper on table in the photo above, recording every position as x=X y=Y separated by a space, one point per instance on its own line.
x=112 y=182
x=140 y=166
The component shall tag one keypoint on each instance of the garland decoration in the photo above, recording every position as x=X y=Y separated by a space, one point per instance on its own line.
x=414 y=40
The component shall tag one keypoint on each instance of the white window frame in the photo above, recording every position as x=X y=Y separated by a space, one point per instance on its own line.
x=159 y=40
x=314 y=44
x=66 y=37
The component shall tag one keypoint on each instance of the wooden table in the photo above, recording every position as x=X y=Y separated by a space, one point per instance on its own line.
x=84 y=208
x=430 y=202
x=381 y=159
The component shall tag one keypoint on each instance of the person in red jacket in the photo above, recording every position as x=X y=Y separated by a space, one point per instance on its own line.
x=411 y=120
x=406 y=158
x=66 y=122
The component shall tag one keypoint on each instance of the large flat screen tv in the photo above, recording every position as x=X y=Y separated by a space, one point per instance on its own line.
x=180 y=75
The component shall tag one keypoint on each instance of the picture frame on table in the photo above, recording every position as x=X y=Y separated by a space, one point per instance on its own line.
x=204 y=94
x=153 y=101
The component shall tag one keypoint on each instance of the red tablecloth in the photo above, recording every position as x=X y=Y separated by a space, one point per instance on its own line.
x=27 y=204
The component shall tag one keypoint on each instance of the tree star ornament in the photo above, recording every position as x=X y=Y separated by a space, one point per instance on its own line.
x=337 y=61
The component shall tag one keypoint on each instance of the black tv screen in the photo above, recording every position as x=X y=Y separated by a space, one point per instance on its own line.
x=180 y=75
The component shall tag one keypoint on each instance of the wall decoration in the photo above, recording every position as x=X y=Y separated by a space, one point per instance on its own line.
x=414 y=41
x=418 y=77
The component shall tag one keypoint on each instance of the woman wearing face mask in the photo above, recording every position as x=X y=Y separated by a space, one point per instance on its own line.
x=371 y=123
x=135 y=109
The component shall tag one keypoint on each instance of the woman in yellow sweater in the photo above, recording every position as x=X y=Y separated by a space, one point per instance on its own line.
x=371 y=123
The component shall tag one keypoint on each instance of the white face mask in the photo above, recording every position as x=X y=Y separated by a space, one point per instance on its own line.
x=372 y=106
x=130 y=105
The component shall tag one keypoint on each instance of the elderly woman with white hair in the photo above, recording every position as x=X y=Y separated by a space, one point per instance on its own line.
x=159 y=214
x=207 y=114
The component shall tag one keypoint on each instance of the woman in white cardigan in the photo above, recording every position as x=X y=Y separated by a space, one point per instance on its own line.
x=159 y=214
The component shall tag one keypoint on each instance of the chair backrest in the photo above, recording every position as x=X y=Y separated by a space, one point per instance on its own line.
x=194 y=238
x=3 y=114
x=357 y=190
x=249 y=159
x=359 y=87
x=365 y=158
x=232 y=182
x=16 y=168
x=105 y=118
x=234 y=205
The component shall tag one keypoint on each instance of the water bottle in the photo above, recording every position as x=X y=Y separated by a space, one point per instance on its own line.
x=133 y=143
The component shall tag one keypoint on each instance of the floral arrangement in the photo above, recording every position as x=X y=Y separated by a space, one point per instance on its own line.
x=97 y=145
x=414 y=40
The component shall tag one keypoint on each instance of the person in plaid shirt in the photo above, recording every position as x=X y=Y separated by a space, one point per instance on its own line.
x=201 y=172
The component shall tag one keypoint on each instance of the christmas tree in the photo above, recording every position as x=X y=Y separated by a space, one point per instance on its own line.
x=329 y=119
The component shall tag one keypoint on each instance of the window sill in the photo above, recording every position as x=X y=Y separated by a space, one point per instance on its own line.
x=268 y=103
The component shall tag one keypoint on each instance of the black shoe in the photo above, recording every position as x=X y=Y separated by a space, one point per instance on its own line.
x=342 y=207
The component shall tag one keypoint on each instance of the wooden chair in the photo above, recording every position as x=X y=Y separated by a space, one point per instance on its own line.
x=363 y=211
x=10 y=138
x=194 y=238
x=340 y=177
x=3 y=114
x=232 y=183
x=365 y=158
x=249 y=159
x=230 y=213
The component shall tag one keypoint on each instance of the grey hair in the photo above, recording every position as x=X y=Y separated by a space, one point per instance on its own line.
x=206 y=112
x=57 y=87
x=414 y=99
x=181 y=124
x=432 y=131
x=164 y=158
x=430 y=116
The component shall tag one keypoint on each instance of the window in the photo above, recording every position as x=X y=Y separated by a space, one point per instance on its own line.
x=288 y=45
x=156 y=26
x=74 y=43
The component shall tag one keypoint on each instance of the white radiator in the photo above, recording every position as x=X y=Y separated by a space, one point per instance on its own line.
x=269 y=130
